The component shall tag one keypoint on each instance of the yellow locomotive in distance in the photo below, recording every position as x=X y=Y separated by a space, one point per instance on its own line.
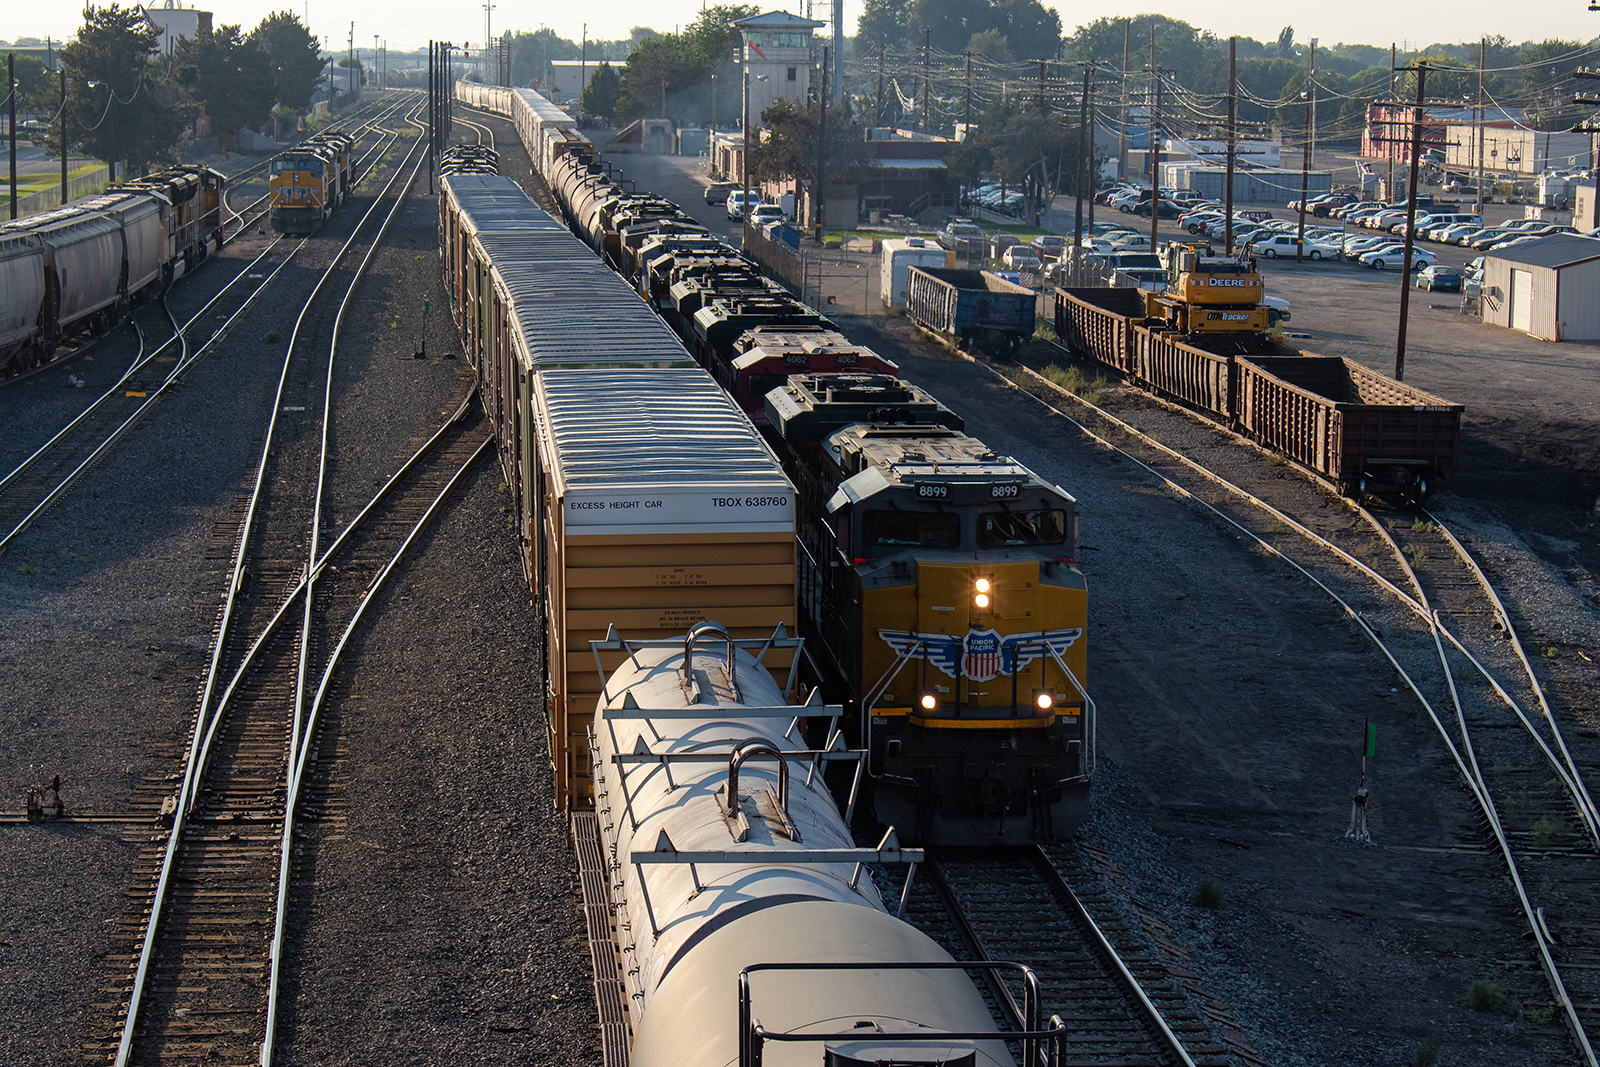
x=309 y=181
x=940 y=579
x=1207 y=293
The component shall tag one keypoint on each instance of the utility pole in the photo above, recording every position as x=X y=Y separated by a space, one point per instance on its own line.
x=1233 y=143
x=1305 y=161
x=820 y=198
x=433 y=120
x=1411 y=226
x=1153 y=157
x=11 y=99
x=927 y=46
x=1042 y=105
x=1483 y=54
x=488 y=37
x=1084 y=166
x=1122 y=146
x=968 y=118
x=63 y=132
x=583 y=72
x=1388 y=131
x=351 y=81
x=838 y=52
x=880 y=84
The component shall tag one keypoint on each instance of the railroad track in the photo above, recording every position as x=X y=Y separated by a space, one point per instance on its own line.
x=1030 y=906
x=198 y=976
x=28 y=490
x=1461 y=658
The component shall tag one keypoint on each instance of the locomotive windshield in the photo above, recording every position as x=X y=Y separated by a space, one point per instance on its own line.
x=924 y=529
x=999 y=529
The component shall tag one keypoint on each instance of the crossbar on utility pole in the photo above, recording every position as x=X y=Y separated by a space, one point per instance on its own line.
x=1411 y=226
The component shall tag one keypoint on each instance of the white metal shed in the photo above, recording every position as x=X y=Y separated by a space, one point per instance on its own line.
x=1549 y=288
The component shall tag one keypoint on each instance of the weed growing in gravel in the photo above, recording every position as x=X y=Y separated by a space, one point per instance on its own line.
x=1542 y=1015
x=1549 y=830
x=1555 y=784
x=1484 y=995
x=1428 y=1052
x=1276 y=460
x=1422 y=526
x=1208 y=894
x=24 y=568
x=1552 y=652
x=1069 y=378
x=1418 y=554
x=271 y=337
x=1046 y=329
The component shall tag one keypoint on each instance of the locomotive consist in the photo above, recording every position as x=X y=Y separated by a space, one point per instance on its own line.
x=309 y=181
x=971 y=701
x=86 y=266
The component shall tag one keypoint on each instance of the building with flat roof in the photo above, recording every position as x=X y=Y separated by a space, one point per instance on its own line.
x=777 y=55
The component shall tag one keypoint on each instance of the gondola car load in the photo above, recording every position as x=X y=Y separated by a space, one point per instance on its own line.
x=979 y=309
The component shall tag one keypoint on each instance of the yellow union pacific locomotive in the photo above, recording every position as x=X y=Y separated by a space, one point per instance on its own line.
x=308 y=181
x=941 y=581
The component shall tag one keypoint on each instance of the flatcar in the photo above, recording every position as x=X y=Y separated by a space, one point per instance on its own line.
x=942 y=581
x=1029 y=775
x=88 y=265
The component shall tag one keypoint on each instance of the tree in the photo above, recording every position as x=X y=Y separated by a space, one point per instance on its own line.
x=1286 y=42
x=34 y=84
x=790 y=147
x=600 y=95
x=293 y=56
x=130 y=111
x=882 y=22
x=991 y=44
x=675 y=69
x=228 y=74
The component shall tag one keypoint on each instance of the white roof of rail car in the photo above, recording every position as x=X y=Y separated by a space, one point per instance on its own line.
x=656 y=450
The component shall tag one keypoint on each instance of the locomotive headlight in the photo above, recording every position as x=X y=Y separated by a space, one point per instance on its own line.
x=1044 y=699
x=982 y=600
x=927 y=700
x=981 y=585
x=980 y=592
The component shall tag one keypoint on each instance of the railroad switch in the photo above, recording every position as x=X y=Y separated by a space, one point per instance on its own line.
x=44 y=801
x=1358 y=816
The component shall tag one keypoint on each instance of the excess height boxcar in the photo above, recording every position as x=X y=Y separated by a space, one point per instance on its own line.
x=663 y=508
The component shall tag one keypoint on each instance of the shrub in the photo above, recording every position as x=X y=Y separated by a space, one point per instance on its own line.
x=1484 y=995
x=271 y=336
x=1548 y=831
x=1208 y=894
x=1428 y=1052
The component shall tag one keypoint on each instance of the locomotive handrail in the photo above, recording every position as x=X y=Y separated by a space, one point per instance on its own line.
x=1089 y=708
x=756 y=746
x=752 y=1035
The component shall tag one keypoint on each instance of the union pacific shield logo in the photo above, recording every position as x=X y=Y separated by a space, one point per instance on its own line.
x=981 y=659
x=981 y=654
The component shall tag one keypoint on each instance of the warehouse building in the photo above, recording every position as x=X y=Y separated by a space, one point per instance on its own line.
x=1549 y=288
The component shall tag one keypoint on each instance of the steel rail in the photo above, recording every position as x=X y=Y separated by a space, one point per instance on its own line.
x=196 y=758
x=111 y=438
x=308 y=601
x=1480 y=793
x=1571 y=781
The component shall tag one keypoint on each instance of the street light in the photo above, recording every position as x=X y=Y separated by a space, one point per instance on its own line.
x=744 y=206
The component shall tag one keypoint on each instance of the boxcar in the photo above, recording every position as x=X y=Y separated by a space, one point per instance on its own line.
x=1365 y=432
x=980 y=309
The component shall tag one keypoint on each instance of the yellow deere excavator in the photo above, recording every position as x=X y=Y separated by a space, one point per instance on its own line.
x=1207 y=293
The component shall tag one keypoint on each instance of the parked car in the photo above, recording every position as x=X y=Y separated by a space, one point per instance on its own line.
x=1488 y=237
x=1393 y=255
x=1133 y=242
x=736 y=205
x=961 y=236
x=1167 y=209
x=1439 y=278
x=1254 y=215
x=717 y=192
x=1456 y=234
x=999 y=243
x=1021 y=257
x=1049 y=247
x=762 y=214
x=1277 y=309
x=1285 y=244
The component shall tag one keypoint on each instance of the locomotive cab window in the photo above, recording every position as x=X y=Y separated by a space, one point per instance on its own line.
x=999 y=529
x=923 y=529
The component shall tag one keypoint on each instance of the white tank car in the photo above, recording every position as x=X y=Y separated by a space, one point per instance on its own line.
x=702 y=895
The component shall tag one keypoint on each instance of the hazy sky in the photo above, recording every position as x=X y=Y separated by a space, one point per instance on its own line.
x=408 y=23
